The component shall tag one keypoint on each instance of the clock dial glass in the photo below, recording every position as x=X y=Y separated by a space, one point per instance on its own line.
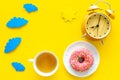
x=98 y=25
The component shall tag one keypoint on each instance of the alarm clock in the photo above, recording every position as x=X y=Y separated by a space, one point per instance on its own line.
x=97 y=23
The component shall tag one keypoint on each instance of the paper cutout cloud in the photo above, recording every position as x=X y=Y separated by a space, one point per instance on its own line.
x=12 y=44
x=30 y=8
x=16 y=22
x=18 y=66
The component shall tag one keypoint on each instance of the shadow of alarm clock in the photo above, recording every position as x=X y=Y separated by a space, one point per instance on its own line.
x=97 y=24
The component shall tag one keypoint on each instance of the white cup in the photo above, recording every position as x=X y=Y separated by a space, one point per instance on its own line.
x=41 y=73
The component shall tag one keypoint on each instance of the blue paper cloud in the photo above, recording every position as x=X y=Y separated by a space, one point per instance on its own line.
x=16 y=22
x=12 y=44
x=30 y=7
x=18 y=66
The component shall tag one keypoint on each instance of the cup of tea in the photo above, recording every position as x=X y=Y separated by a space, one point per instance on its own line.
x=45 y=63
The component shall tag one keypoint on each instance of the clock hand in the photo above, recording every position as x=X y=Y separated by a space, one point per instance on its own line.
x=92 y=27
x=97 y=31
x=99 y=20
x=97 y=26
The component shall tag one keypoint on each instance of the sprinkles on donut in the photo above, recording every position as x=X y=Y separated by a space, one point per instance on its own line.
x=81 y=59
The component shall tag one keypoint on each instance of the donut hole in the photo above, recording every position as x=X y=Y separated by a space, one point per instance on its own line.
x=81 y=59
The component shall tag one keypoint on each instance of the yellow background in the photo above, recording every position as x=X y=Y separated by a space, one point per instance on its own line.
x=47 y=31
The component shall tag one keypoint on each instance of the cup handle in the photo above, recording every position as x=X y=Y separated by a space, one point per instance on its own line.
x=31 y=60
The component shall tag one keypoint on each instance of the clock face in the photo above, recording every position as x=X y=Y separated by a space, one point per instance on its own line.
x=98 y=25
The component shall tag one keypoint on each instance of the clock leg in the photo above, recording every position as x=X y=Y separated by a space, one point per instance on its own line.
x=84 y=35
x=102 y=41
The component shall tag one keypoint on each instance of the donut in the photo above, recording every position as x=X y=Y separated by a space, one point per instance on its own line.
x=81 y=59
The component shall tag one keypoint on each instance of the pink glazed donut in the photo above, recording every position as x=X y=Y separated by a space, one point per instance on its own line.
x=81 y=59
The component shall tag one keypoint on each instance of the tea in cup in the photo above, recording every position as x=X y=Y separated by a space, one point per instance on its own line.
x=45 y=63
